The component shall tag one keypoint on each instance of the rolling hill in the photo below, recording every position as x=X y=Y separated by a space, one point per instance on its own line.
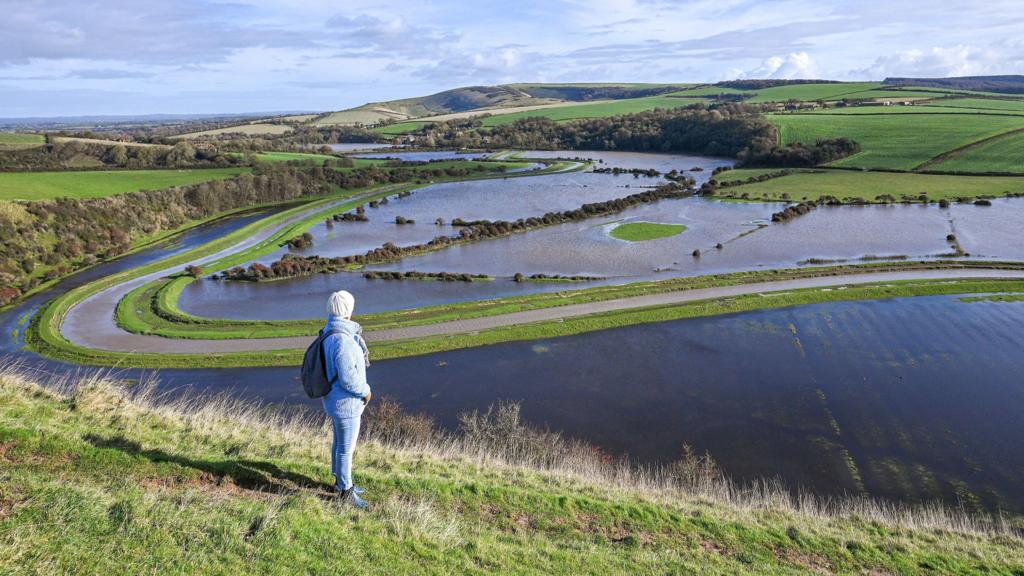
x=489 y=98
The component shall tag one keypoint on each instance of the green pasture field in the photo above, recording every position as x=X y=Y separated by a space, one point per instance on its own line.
x=100 y=183
x=997 y=155
x=848 y=184
x=401 y=127
x=16 y=140
x=888 y=141
x=1009 y=104
x=289 y=156
x=811 y=92
x=934 y=107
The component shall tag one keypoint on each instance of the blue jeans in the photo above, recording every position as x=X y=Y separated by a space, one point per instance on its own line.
x=346 y=432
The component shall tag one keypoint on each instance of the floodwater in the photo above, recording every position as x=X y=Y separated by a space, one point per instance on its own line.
x=749 y=241
x=910 y=399
x=916 y=398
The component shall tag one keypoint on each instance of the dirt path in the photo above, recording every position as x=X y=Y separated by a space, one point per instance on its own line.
x=107 y=336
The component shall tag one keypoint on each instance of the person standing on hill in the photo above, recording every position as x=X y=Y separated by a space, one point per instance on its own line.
x=346 y=358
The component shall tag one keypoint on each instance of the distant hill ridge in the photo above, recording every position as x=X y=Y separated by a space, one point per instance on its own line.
x=1008 y=84
x=470 y=98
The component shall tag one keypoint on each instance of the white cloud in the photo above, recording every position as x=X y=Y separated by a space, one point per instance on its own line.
x=502 y=64
x=788 y=67
x=959 y=60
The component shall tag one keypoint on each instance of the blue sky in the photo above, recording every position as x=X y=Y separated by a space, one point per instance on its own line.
x=80 y=57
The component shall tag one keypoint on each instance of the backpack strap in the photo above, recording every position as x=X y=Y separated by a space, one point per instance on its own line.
x=323 y=353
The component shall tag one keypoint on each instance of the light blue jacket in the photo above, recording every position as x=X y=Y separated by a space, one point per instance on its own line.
x=345 y=357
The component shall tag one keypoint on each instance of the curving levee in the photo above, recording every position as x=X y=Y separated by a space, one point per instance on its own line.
x=91 y=323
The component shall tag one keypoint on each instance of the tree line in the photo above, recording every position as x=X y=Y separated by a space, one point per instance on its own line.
x=64 y=154
x=725 y=129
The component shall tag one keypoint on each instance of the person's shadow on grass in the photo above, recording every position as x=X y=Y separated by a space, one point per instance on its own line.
x=252 y=475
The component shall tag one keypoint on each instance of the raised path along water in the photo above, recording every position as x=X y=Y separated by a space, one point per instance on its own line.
x=91 y=323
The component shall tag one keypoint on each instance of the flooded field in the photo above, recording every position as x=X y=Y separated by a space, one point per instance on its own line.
x=747 y=237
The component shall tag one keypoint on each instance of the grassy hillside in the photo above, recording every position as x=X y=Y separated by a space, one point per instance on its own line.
x=812 y=92
x=843 y=184
x=100 y=481
x=93 y=184
x=484 y=98
x=596 y=110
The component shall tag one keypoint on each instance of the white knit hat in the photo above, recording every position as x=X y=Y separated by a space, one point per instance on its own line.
x=341 y=303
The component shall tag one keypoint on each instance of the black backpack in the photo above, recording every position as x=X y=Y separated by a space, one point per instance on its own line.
x=314 y=368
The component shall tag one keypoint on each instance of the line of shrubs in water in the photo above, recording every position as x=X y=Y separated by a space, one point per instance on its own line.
x=794 y=211
x=520 y=277
x=471 y=231
x=414 y=275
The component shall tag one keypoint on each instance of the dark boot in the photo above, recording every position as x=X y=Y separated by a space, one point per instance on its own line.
x=351 y=498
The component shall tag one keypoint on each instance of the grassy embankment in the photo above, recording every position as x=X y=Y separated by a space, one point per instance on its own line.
x=44 y=333
x=95 y=184
x=641 y=231
x=849 y=185
x=43 y=336
x=101 y=480
x=153 y=308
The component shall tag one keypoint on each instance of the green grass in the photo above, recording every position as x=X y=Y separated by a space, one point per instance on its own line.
x=707 y=90
x=16 y=140
x=641 y=231
x=96 y=482
x=95 y=184
x=811 y=92
x=900 y=142
x=894 y=95
x=401 y=127
x=1008 y=105
x=994 y=298
x=847 y=184
x=998 y=155
x=289 y=156
x=926 y=108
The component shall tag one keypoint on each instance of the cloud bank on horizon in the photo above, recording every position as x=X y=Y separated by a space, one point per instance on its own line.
x=75 y=57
